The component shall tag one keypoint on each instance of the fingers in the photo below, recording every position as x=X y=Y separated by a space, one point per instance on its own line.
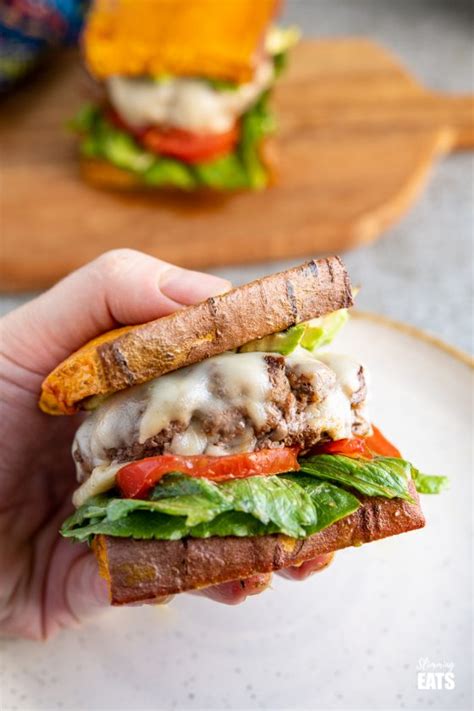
x=120 y=287
x=303 y=571
x=89 y=592
x=236 y=591
x=85 y=593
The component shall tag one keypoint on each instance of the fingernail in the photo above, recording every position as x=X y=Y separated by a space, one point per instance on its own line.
x=189 y=287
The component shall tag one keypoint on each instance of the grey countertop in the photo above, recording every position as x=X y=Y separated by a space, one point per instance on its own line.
x=420 y=271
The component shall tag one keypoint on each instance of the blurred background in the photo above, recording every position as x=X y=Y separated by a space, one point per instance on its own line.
x=420 y=270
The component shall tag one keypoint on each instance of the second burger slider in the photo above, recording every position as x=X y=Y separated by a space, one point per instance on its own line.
x=185 y=93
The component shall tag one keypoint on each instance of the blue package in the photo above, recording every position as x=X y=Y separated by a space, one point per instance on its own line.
x=29 y=27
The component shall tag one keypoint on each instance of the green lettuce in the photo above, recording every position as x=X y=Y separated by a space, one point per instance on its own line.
x=382 y=476
x=227 y=172
x=269 y=499
x=295 y=505
x=169 y=172
x=256 y=124
x=239 y=170
x=429 y=483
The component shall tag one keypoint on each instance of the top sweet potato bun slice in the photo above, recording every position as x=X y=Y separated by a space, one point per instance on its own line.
x=132 y=355
x=201 y=38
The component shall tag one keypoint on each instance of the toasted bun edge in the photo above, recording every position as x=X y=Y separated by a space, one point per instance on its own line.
x=137 y=354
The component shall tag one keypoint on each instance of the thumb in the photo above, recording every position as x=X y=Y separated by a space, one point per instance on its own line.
x=120 y=287
x=86 y=592
x=74 y=590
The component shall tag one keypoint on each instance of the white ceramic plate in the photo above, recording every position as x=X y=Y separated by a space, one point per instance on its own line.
x=349 y=638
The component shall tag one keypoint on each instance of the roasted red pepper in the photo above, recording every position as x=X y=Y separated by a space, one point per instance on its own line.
x=137 y=478
x=187 y=146
x=365 y=447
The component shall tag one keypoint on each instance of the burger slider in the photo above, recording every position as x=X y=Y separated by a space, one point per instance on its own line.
x=186 y=85
x=227 y=439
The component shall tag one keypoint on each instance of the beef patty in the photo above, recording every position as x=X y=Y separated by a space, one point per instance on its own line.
x=231 y=403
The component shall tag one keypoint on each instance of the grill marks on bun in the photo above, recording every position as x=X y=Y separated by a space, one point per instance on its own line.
x=137 y=354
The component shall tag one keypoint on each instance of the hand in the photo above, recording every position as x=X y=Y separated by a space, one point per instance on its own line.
x=48 y=582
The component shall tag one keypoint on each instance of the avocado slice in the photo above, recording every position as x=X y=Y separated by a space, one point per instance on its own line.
x=310 y=335
x=284 y=342
x=320 y=331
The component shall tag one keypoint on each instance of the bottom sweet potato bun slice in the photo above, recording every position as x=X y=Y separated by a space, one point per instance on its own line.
x=142 y=570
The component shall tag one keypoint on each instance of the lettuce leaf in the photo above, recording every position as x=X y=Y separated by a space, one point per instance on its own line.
x=429 y=483
x=168 y=171
x=295 y=504
x=331 y=503
x=136 y=524
x=180 y=506
x=239 y=170
x=256 y=123
x=268 y=499
x=233 y=523
x=227 y=172
x=382 y=476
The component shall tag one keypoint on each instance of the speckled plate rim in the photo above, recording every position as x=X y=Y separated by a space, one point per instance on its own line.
x=415 y=332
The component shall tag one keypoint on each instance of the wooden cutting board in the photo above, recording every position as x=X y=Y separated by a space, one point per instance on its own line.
x=357 y=138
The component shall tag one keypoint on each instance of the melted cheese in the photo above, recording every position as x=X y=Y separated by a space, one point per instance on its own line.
x=111 y=426
x=186 y=103
x=101 y=480
x=237 y=380
x=144 y=411
x=331 y=413
x=243 y=380
x=346 y=369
